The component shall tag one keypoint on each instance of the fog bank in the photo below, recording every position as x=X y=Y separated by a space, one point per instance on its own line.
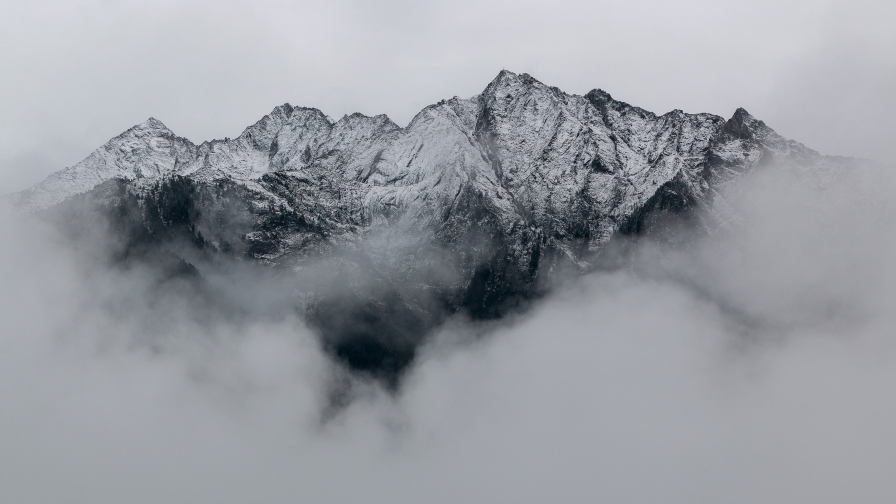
x=753 y=364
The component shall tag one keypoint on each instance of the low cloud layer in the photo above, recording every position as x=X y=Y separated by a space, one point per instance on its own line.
x=753 y=365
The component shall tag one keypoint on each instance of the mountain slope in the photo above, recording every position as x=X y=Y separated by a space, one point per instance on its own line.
x=467 y=208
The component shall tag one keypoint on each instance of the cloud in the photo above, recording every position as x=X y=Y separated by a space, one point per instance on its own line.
x=754 y=364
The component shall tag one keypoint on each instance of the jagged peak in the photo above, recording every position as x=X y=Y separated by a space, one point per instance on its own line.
x=603 y=102
x=284 y=110
x=741 y=125
x=598 y=94
x=357 y=118
x=353 y=115
x=298 y=111
x=507 y=93
x=744 y=126
x=508 y=85
x=288 y=112
x=151 y=124
x=741 y=115
x=268 y=126
x=150 y=127
x=504 y=74
x=386 y=121
x=430 y=111
x=507 y=79
x=360 y=125
x=281 y=112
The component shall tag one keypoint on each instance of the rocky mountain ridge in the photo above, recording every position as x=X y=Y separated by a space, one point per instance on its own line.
x=464 y=209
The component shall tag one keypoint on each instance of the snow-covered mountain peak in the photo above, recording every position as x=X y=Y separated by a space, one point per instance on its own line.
x=740 y=125
x=466 y=208
x=544 y=146
x=510 y=85
x=152 y=125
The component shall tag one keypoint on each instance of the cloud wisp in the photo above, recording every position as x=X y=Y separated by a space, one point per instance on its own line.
x=753 y=364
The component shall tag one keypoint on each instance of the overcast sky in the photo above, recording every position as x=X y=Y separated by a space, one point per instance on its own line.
x=760 y=369
x=76 y=73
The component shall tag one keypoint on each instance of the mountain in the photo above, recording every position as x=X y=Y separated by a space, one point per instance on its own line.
x=388 y=230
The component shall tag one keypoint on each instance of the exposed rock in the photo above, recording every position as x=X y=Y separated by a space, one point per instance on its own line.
x=465 y=209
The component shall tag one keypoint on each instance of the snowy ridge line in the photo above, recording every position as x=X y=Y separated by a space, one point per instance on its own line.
x=534 y=152
x=381 y=232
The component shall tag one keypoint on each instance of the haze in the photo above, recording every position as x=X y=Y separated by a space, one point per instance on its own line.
x=756 y=364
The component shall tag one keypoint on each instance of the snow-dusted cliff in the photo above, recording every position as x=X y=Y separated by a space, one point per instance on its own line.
x=535 y=152
x=464 y=208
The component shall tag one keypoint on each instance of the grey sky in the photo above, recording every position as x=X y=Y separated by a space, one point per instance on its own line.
x=77 y=73
x=761 y=369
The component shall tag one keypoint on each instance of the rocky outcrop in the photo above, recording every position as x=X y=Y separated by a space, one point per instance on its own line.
x=466 y=208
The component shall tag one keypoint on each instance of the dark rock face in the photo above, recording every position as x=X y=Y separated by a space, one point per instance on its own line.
x=386 y=231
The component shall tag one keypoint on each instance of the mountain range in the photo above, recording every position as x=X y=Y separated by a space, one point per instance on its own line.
x=382 y=231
